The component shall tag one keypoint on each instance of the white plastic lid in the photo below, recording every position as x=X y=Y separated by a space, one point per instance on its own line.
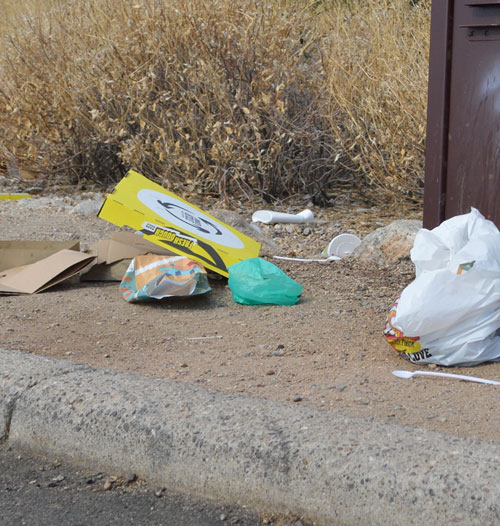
x=343 y=245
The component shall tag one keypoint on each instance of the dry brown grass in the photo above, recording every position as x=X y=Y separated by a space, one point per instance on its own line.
x=228 y=97
x=377 y=70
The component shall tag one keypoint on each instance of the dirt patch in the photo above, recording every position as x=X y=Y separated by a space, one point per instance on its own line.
x=328 y=351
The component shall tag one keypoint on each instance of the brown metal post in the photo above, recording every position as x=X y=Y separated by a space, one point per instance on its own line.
x=438 y=112
x=473 y=168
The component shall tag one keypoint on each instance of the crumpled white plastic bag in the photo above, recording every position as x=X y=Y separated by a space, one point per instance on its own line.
x=450 y=313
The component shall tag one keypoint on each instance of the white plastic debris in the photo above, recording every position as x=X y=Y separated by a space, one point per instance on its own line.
x=269 y=216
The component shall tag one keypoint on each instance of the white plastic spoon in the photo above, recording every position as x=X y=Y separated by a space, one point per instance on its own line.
x=410 y=374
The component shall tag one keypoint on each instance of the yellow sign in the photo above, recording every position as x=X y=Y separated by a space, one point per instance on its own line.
x=170 y=221
x=14 y=197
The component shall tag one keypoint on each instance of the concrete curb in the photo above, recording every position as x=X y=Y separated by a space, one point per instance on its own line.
x=331 y=469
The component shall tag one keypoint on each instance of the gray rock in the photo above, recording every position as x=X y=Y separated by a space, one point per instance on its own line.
x=88 y=207
x=234 y=219
x=389 y=243
x=42 y=203
x=13 y=170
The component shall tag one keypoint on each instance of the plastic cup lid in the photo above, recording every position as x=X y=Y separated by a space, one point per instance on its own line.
x=343 y=245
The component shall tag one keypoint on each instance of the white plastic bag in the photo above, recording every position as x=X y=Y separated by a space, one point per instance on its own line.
x=450 y=313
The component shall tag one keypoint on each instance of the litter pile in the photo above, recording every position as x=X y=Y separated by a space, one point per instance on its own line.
x=171 y=248
x=174 y=248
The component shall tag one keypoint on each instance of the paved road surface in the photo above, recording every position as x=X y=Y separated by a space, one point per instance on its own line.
x=35 y=491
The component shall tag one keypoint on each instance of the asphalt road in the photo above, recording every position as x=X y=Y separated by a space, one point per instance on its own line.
x=36 y=491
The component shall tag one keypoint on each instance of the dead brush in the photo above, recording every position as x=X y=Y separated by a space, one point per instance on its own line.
x=377 y=67
x=218 y=97
x=222 y=97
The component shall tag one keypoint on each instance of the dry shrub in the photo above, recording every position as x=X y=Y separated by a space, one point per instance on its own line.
x=215 y=96
x=14 y=11
x=223 y=97
x=378 y=67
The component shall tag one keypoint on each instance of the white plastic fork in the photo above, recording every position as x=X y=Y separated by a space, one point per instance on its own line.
x=410 y=374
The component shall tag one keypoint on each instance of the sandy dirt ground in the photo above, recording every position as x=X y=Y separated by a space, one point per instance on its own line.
x=328 y=351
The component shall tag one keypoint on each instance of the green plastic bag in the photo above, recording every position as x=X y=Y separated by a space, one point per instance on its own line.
x=255 y=281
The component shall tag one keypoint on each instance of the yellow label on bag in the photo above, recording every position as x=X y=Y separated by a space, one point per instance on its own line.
x=406 y=345
x=396 y=338
x=170 y=221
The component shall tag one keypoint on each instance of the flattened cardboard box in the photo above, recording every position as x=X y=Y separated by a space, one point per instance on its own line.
x=20 y=253
x=114 y=256
x=47 y=272
x=170 y=221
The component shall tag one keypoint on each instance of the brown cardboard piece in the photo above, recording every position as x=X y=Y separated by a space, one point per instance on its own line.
x=33 y=278
x=114 y=255
x=20 y=253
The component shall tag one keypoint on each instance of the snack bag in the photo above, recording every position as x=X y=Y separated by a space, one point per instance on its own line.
x=155 y=277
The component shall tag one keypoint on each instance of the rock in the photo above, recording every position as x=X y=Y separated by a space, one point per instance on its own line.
x=45 y=203
x=131 y=478
x=13 y=170
x=34 y=190
x=389 y=243
x=297 y=398
x=88 y=207
x=234 y=219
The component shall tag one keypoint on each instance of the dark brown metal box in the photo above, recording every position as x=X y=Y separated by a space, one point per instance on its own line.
x=463 y=116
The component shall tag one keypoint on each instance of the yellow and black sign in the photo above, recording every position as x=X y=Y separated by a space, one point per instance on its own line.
x=170 y=221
